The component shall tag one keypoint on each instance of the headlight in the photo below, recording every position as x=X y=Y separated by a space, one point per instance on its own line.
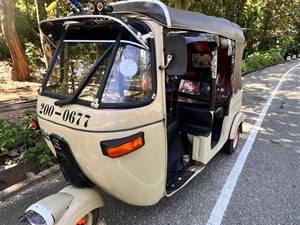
x=33 y=218
x=37 y=215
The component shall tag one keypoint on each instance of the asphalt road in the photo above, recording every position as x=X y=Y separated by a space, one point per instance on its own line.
x=258 y=185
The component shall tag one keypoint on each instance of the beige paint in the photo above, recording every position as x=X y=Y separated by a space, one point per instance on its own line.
x=202 y=151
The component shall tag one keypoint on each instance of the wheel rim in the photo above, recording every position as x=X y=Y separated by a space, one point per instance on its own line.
x=86 y=220
x=235 y=140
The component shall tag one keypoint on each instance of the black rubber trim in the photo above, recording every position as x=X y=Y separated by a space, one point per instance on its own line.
x=68 y=165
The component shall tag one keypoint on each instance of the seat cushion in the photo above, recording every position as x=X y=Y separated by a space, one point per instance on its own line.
x=195 y=120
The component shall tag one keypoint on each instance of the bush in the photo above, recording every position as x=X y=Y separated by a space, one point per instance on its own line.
x=259 y=60
x=21 y=133
x=34 y=55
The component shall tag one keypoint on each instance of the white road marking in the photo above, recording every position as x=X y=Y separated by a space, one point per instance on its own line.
x=220 y=207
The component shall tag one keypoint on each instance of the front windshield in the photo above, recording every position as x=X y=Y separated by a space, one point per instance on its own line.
x=72 y=67
x=81 y=69
x=130 y=77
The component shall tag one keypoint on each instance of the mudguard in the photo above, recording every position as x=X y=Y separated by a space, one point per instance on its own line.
x=238 y=120
x=84 y=201
x=68 y=205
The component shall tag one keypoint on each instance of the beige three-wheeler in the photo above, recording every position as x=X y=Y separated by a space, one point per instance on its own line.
x=137 y=99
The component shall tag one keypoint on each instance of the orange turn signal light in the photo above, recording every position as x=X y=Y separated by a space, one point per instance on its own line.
x=35 y=123
x=119 y=147
x=81 y=221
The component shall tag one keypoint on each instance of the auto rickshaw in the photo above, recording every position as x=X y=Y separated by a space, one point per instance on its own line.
x=137 y=99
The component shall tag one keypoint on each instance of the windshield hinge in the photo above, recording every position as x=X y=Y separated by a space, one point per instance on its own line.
x=146 y=36
x=95 y=104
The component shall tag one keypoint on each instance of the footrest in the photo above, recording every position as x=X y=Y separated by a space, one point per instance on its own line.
x=179 y=181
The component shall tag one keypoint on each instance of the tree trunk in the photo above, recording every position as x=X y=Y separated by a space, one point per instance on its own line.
x=240 y=11
x=20 y=70
x=46 y=45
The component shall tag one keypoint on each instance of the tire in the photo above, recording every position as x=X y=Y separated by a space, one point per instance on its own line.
x=89 y=219
x=231 y=144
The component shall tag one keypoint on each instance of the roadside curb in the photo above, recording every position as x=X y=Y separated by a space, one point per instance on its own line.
x=16 y=188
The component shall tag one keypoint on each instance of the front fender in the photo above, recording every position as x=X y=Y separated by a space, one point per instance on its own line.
x=67 y=206
x=84 y=201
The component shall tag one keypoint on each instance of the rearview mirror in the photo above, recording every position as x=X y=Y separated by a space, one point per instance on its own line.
x=176 y=46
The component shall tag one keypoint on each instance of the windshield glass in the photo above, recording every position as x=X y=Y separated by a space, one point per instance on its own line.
x=72 y=67
x=130 y=77
x=82 y=68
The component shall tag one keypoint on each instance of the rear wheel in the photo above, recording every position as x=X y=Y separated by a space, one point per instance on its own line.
x=89 y=219
x=231 y=144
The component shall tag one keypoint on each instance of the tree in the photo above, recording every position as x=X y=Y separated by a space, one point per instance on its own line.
x=20 y=70
x=180 y=4
x=271 y=24
x=42 y=15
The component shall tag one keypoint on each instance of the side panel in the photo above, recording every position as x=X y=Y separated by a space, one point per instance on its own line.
x=238 y=66
x=201 y=150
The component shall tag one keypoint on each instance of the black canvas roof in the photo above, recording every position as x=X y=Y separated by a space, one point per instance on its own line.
x=180 y=19
x=157 y=11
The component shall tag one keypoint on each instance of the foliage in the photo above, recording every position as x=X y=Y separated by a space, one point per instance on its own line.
x=182 y=4
x=10 y=131
x=41 y=153
x=270 y=22
x=34 y=55
x=21 y=133
x=26 y=22
x=259 y=60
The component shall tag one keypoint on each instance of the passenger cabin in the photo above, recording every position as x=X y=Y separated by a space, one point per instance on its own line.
x=198 y=99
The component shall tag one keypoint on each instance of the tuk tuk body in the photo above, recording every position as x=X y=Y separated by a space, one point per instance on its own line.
x=135 y=110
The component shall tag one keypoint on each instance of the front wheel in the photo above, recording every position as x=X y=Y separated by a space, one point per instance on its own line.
x=231 y=144
x=89 y=219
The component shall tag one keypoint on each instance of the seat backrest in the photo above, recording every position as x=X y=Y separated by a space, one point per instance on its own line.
x=195 y=120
